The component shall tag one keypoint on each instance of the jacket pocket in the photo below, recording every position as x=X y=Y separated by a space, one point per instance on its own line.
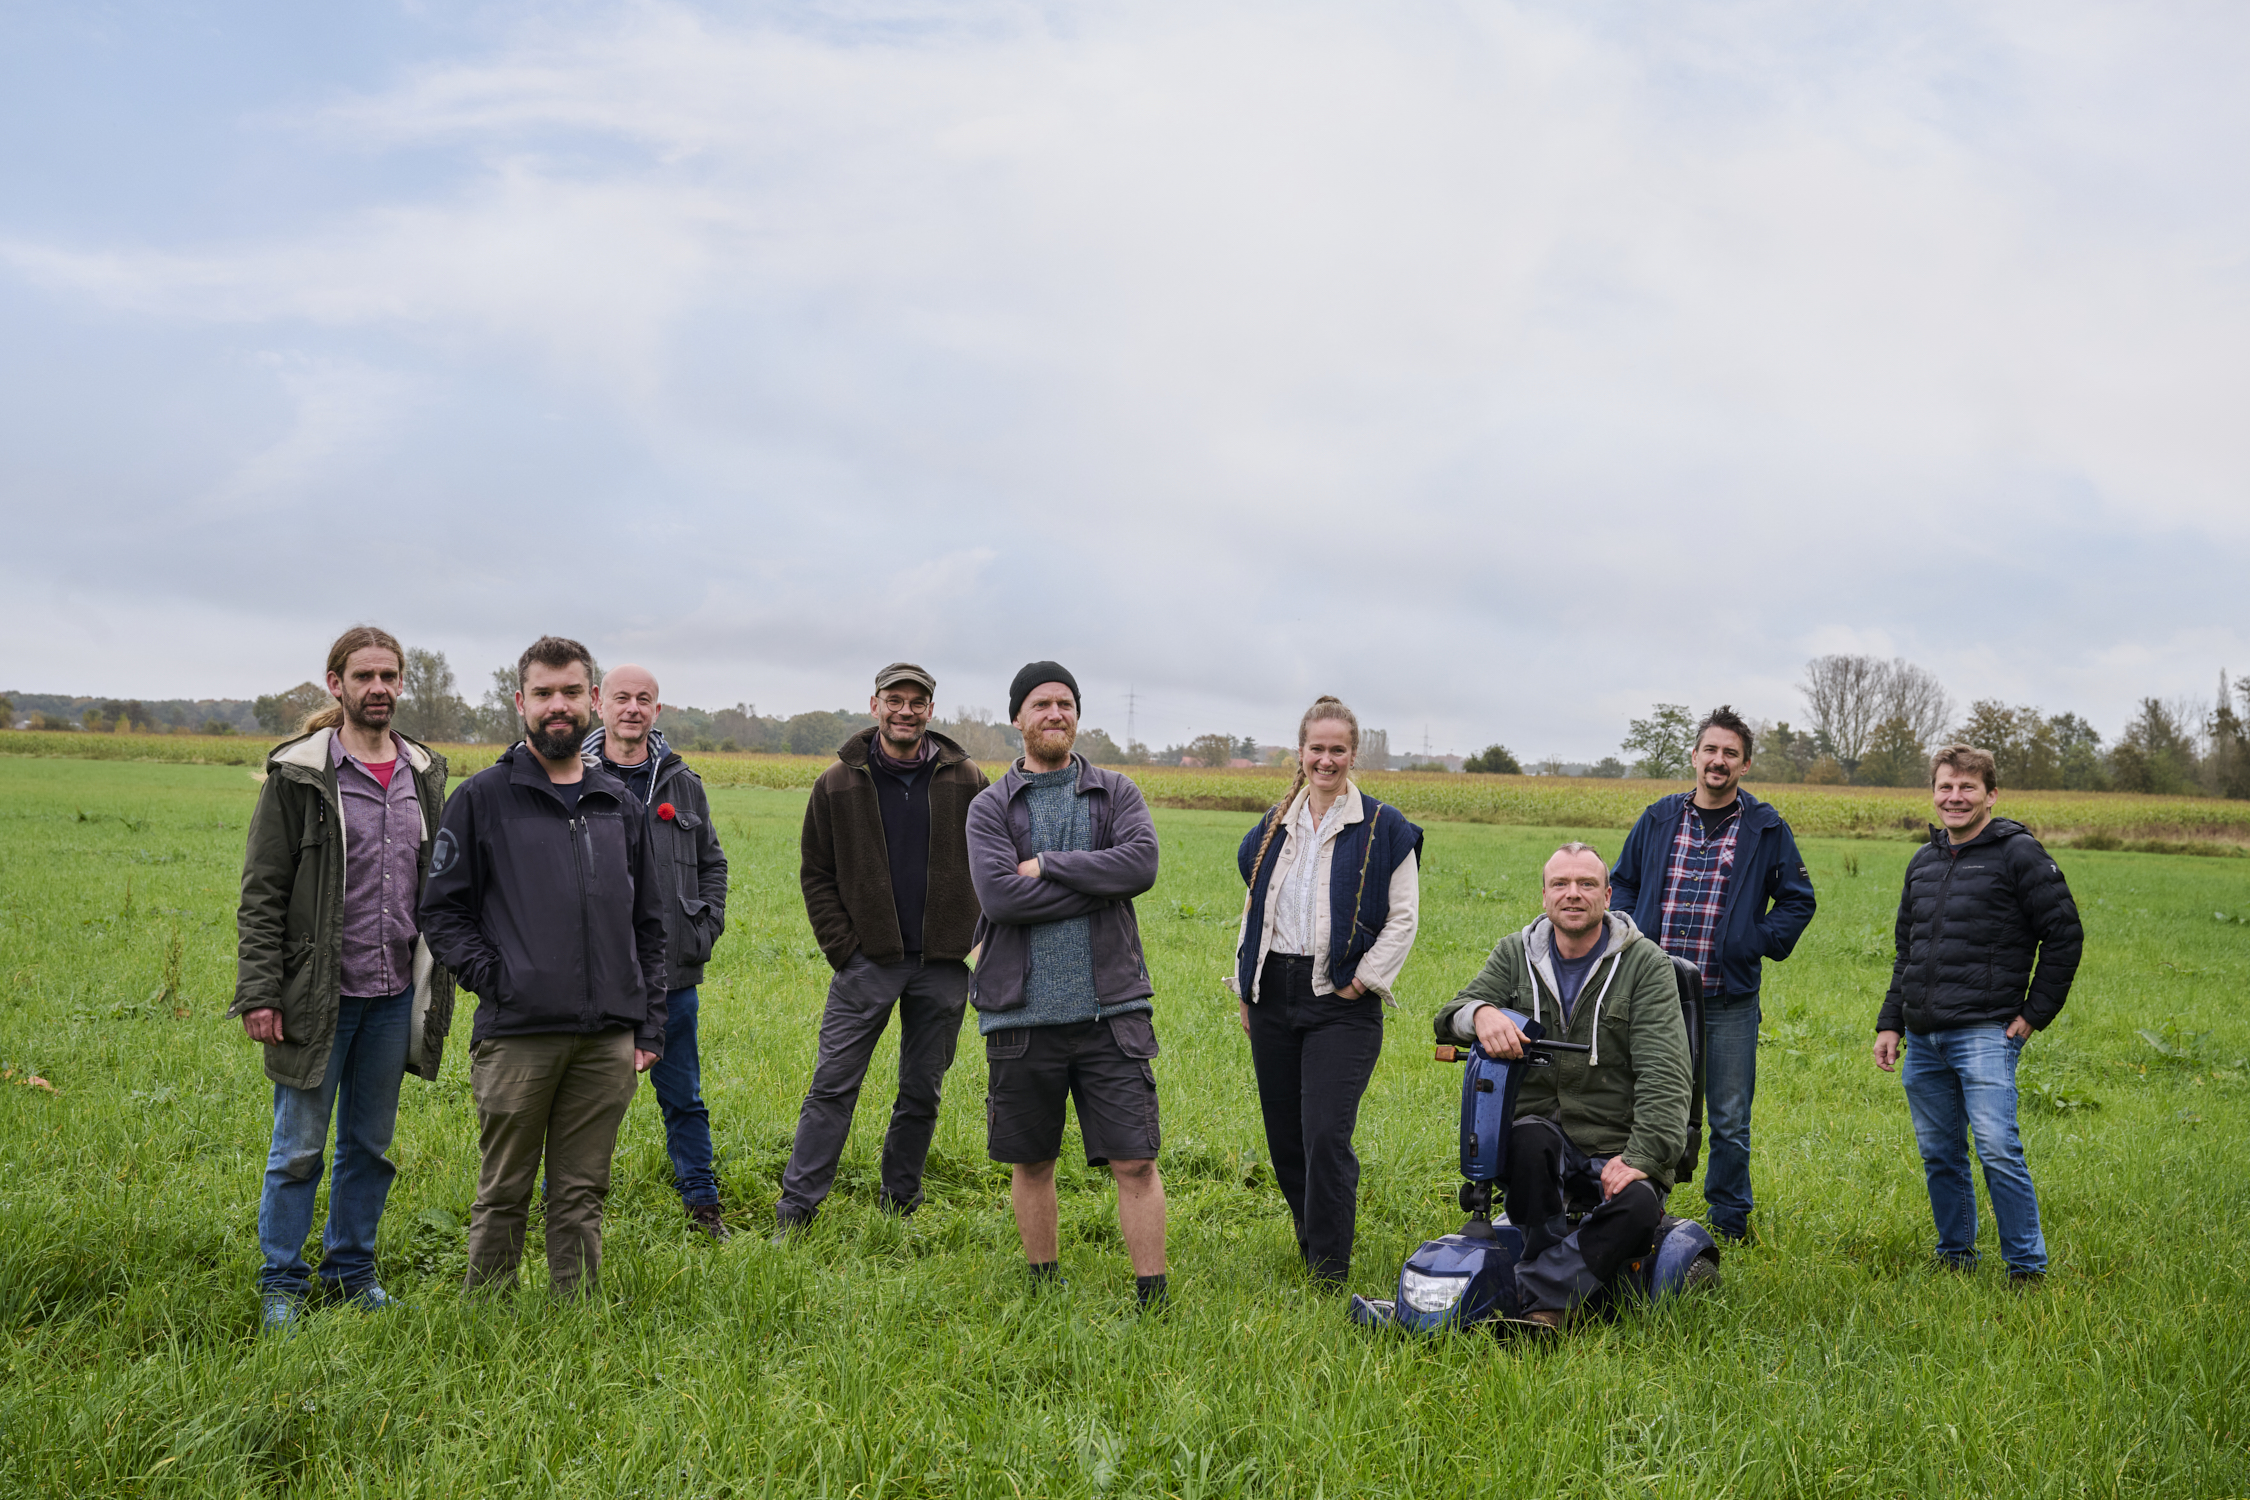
x=1007 y=1046
x=296 y=983
x=696 y=943
x=1135 y=1034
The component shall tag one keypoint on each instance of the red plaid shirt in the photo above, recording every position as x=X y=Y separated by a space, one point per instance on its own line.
x=1695 y=887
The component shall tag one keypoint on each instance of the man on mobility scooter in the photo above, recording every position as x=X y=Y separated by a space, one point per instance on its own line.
x=1600 y=1128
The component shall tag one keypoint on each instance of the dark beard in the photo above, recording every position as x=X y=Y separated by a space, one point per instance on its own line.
x=362 y=717
x=554 y=745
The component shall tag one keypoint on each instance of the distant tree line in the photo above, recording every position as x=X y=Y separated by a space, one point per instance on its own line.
x=64 y=712
x=1870 y=722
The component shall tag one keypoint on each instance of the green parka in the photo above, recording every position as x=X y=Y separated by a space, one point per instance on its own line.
x=1629 y=1096
x=289 y=926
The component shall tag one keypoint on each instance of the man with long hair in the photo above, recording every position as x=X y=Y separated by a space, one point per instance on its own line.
x=333 y=977
x=543 y=898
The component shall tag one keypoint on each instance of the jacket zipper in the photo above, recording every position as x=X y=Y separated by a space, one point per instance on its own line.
x=1937 y=924
x=579 y=861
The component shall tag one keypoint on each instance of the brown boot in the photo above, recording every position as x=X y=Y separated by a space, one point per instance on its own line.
x=708 y=1219
x=1542 y=1322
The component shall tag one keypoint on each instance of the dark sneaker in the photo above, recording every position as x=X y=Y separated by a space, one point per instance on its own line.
x=708 y=1218
x=372 y=1298
x=786 y=1224
x=901 y=1207
x=2026 y=1280
x=279 y=1313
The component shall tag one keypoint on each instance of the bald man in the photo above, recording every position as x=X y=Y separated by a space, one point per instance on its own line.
x=692 y=872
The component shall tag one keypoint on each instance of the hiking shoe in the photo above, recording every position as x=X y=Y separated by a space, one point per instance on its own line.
x=707 y=1217
x=901 y=1207
x=787 y=1224
x=279 y=1313
x=2024 y=1281
x=369 y=1298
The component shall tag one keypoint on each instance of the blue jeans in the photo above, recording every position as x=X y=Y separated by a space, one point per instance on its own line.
x=678 y=1081
x=1965 y=1080
x=1730 y=1082
x=366 y=1064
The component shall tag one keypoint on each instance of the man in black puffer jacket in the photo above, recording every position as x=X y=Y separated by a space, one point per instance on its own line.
x=1988 y=942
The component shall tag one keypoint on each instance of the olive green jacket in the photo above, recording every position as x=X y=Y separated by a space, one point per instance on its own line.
x=1629 y=1096
x=289 y=925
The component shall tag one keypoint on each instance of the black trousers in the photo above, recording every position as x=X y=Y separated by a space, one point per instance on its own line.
x=1547 y=1177
x=1314 y=1055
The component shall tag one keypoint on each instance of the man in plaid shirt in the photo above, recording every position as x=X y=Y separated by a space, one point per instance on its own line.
x=1714 y=876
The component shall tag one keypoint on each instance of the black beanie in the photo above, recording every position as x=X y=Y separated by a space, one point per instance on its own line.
x=1033 y=675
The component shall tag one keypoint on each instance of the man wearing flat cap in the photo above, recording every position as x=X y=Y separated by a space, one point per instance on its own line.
x=1058 y=849
x=886 y=880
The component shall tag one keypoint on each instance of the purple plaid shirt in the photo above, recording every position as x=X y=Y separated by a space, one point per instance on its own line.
x=382 y=858
x=1695 y=888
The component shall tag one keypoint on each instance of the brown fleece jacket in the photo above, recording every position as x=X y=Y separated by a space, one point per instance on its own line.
x=847 y=872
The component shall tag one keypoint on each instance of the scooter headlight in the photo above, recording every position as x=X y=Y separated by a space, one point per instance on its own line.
x=1430 y=1294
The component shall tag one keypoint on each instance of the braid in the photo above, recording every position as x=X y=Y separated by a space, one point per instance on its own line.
x=1273 y=821
x=1324 y=707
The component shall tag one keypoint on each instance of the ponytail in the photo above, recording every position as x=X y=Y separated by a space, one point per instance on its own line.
x=358 y=638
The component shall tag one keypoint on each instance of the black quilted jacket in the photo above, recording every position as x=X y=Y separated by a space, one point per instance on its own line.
x=1987 y=931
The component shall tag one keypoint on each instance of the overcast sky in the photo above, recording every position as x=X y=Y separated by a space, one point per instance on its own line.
x=1502 y=368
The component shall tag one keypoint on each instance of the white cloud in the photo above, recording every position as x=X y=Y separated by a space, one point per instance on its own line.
x=1496 y=366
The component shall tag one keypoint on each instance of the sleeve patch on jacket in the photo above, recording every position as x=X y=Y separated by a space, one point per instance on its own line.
x=443 y=852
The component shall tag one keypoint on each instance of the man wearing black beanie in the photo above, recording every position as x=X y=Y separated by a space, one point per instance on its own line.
x=1058 y=849
x=1032 y=676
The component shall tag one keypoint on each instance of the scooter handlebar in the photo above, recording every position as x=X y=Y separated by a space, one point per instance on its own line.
x=1453 y=1054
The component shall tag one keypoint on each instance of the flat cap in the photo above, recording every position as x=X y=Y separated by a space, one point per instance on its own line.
x=905 y=671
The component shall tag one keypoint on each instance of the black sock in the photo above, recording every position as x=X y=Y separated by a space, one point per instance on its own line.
x=1152 y=1290
x=1046 y=1270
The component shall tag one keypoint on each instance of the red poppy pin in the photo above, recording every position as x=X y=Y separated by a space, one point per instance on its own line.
x=665 y=810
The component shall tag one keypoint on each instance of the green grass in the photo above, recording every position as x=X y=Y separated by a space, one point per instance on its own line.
x=908 y=1359
x=2107 y=820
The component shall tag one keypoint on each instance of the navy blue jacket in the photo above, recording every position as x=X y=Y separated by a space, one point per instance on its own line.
x=1367 y=854
x=1767 y=868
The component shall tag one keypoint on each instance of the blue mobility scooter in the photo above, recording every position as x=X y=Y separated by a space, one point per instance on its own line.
x=1461 y=1280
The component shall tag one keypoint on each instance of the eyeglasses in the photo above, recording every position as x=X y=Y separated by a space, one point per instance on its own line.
x=893 y=702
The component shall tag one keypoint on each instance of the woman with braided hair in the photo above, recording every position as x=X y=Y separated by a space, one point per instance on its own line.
x=1326 y=927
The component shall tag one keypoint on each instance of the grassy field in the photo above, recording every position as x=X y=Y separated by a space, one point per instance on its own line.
x=880 y=1358
x=2197 y=825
